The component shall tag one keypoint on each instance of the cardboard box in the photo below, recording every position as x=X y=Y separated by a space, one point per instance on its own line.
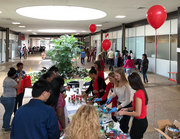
x=161 y=128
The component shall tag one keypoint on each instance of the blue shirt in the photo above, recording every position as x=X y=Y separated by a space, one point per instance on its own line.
x=35 y=120
x=22 y=75
x=82 y=54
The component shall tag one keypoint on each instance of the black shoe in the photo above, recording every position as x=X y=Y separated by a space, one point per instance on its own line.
x=114 y=118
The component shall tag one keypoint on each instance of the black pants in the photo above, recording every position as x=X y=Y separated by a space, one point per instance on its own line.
x=124 y=122
x=111 y=64
x=82 y=60
x=18 y=103
x=144 y=72
x=138 y=128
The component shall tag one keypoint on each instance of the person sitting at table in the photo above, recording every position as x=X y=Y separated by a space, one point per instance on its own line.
x=97 y=85
x=84 y=124
x=57 y=101
x=123 y=91
x=98 y=67
x=108 y=92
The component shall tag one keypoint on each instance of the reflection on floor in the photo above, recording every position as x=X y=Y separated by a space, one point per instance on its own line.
x=164 y=95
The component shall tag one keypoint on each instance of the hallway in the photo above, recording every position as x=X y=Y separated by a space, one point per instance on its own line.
x=164 y=95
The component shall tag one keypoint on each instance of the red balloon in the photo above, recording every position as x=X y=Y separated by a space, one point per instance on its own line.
x=156 y=16
x=106 y=44
x=106 y=35
x=92 y=28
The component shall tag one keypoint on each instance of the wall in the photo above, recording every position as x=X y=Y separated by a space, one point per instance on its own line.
x=135 y=40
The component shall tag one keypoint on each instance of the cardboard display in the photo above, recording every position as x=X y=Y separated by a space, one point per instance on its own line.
x=162 y=124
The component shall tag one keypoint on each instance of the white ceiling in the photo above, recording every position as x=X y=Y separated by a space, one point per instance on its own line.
x=111 y=7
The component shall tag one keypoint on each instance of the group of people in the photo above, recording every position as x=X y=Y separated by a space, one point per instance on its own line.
x=45 y=115
x=90 y=53
x=119 y=92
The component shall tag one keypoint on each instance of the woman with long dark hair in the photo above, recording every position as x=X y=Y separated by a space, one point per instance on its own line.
x=139 y=109
x=97 y=85
x=99 y=69
x=57 y=101
x=144 y=67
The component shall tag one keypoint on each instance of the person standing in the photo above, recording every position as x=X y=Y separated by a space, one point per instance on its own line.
x=25 y=52
x=108 y=92
x=123 y=91
x=84 y=124
x=36 y=120
x=83 y=54
x=20 y=95
x=88 y=55
x=110 y=56
x=97 y=85
x=129 y=65
x=139 y=109
x=144 y=67
x=131 y=54
x=8 y=97
x=124 y=51
x=100 y=58
x=116 y=59
x=57 y=101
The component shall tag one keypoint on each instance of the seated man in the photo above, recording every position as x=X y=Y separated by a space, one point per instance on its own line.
x=36 y=120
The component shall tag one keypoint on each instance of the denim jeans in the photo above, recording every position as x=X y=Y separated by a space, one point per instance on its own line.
x=82 y=60
x=144 y=72
x=8 y=103
x=19 y=100
x=129 y=71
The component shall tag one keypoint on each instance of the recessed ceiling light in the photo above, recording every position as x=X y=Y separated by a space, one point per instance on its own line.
x=99 y=25
x=57 y=30
x=16 y=23
x=0 y=12
x=77 y=33
x=83 y=31
x=34 y=33
x=22 y=26
x=29 y=30
x=120 y=16
x=61 y=13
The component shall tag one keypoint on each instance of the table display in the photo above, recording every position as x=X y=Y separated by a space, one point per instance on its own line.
x=109 y=128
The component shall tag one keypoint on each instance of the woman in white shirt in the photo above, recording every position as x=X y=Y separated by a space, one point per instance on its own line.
x=123 y=91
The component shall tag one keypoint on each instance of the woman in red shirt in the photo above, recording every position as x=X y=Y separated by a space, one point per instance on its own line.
x=98 y=67
x=139 y=109
x=109 y=88
x=97 y=85
x=129 y=65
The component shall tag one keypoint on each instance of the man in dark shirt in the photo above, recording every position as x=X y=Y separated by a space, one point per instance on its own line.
x=36 y=120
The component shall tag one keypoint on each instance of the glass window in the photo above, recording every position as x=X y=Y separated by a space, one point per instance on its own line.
x=174 y=39
x=139 y=47
x=163 y=47
x=132 y=45
x=119 y=44
x=150 y=46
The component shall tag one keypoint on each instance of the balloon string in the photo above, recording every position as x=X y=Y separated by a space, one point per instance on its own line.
x=157 y=40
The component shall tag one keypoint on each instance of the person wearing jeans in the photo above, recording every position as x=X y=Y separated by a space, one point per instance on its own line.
x=83 y=54
x=144 y=67
x=8 y=97
x=20 y=95
x=129 y=65
x=110 y=56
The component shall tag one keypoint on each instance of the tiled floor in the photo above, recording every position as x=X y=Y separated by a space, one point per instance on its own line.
x=164 y=95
